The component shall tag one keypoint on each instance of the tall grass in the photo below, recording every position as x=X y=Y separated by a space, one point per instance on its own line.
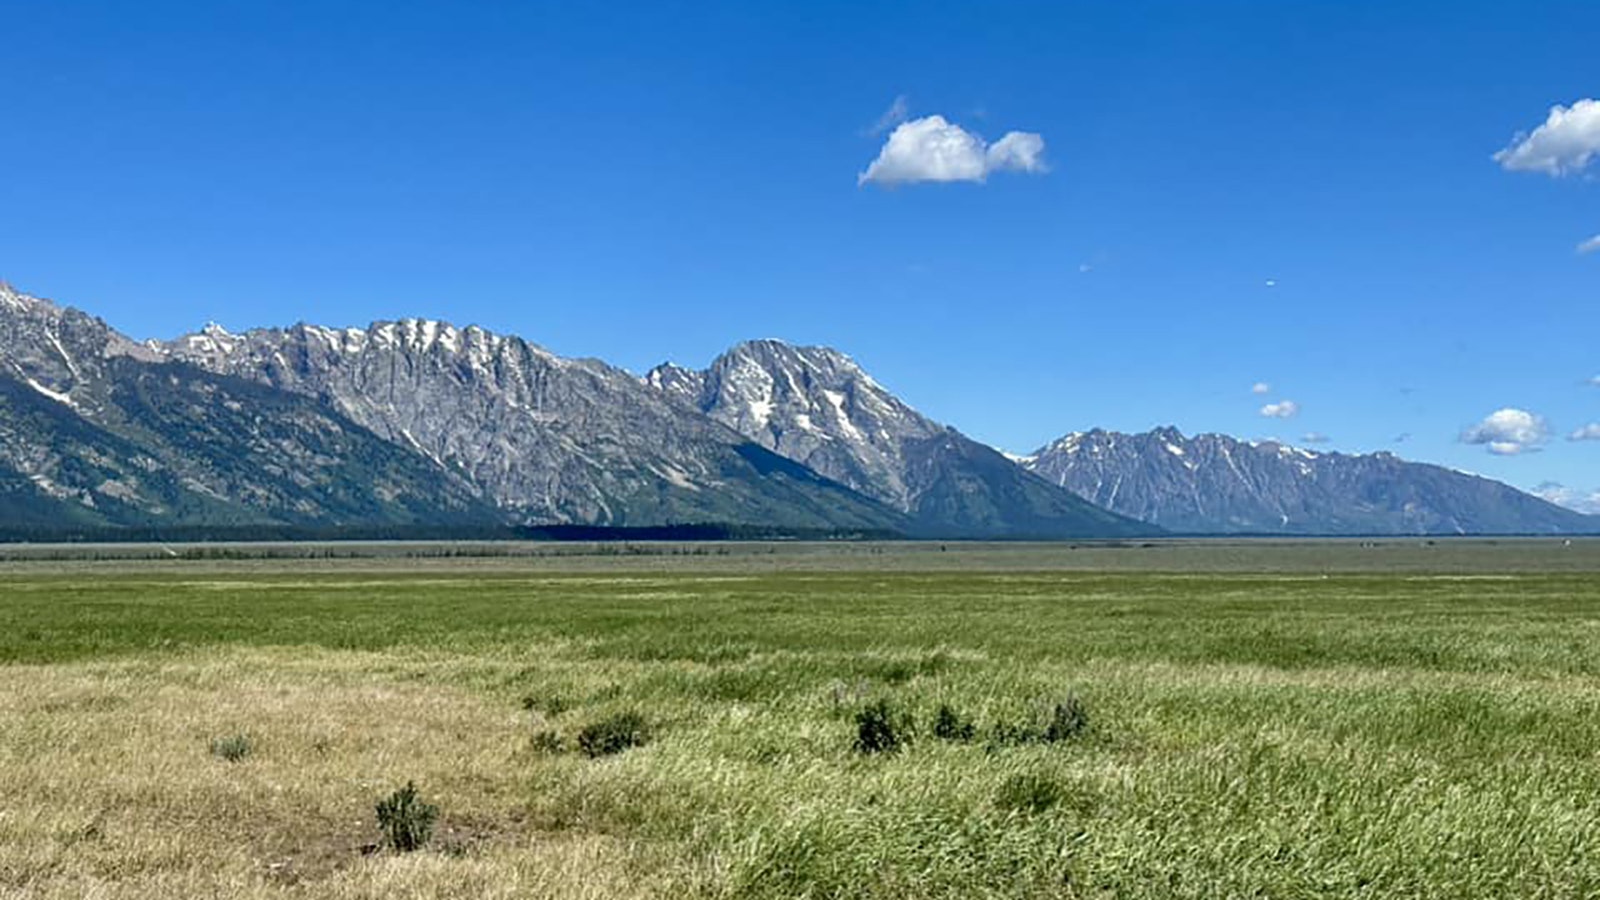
x=1186 y=736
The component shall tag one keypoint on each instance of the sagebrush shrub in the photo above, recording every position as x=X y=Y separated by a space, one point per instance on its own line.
x=405 y=819
x=1063 y=721
x=880 y=729
x=614 y=734
x=1069 y=719
x=949 y=725
x=232 y=748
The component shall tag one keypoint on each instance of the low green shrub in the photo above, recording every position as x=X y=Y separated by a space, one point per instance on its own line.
x=1069 y=719
x=1063 y=721
x=233 y=748
x=406 y=820
x=614 y=734
x=949 y=725
x=880 y=728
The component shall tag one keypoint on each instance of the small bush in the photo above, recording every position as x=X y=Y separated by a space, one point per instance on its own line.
x=1028 y=793
x=1063 y=721
x=949 y=725
x=880 y=729
x=232 y=748
x=547 y=741
x=405 y=820
x=1069 y=719
x=614 y=734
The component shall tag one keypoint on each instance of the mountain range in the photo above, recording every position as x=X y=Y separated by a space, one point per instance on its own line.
x=420 y=423
x=1213 y=483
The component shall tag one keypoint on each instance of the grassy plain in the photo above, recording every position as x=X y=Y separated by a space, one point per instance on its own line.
x=1322 y=720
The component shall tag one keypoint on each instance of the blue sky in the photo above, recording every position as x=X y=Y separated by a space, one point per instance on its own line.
x=1224 y=194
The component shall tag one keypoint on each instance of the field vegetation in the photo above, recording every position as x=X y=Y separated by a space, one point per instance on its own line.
x=170 y=730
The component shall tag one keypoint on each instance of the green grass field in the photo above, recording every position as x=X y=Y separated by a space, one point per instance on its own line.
x=1315 y=731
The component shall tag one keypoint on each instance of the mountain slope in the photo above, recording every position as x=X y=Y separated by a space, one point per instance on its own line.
x=96 y=430
x=817 y=407
x=1213 y=483
x=547 y=439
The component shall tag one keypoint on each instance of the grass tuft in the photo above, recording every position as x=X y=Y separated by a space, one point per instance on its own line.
x=547 y=741
x=1030 y=793
x=232 y=748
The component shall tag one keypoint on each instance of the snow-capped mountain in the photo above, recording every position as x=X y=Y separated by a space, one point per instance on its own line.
x=419 y=422
x=1212 y=483
x=816 y=406
x=97 y=430
x=545 y=438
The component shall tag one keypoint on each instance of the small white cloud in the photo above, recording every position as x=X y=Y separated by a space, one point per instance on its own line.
x=1315 y=437
x=1572 y=498
x=1017 y=151
x=1085 y=267
x=1261 y=387
x=1402 y=437
x=1272 y=282
x=1566 y=143
x=1589 y=432
x=897 y=112
x=1589 y=246
x=932 y=149
x=1509 y=432
x=1281 y=410
x=1595 y=381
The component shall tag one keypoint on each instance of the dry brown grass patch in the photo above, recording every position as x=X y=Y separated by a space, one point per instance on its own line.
x=110 y=789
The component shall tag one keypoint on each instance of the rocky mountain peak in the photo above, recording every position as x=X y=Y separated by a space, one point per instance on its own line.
x=818 y=407
x=681 y=384
x=546 y=438
x=1214 y=483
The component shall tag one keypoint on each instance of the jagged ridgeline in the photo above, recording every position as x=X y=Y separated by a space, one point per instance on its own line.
x=410 y=423
x=436 y=430
x=1212 y=483
x=816 y=406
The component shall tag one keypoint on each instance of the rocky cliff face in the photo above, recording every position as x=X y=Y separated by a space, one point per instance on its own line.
x=545 y=438
x=816 y=406
x=1212 y=483
x=98 y=430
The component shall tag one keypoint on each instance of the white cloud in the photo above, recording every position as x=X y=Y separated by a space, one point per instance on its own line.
x=1508 y=432
x=1272 y=282
x=1589 y=432
x=897 y=112
x=1280 y=410
x=1315 y=437
x=1595 y=381
x=932 y=149
x=1017 y=151
x=1566 y=143
x=1589 y=246
x=1261 y=387
x=1572 y=498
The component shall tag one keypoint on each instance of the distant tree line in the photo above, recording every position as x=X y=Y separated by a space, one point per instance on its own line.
x=186 y=534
